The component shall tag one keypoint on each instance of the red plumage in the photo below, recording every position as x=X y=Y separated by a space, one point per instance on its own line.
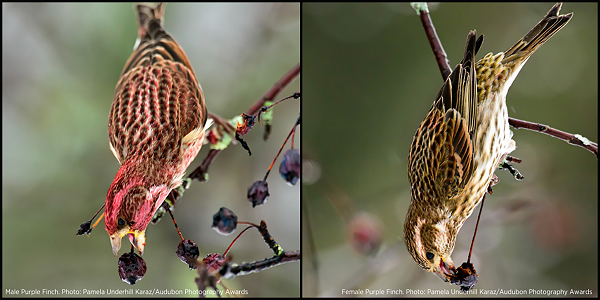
x=156 y=127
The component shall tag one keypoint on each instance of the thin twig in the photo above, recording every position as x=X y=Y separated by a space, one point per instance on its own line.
x=230 y=129
x=275 y=90
x=200 y=172
x=434 y=42
x=285 y=142
x=269 y=95
x=230 y=272
x=573 y=139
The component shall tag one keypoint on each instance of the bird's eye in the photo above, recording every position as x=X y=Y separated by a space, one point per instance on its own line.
x=429 y=255
x=121 y=222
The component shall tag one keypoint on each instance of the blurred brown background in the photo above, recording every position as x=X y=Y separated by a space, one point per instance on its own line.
x=61 y=63
x=370 y=79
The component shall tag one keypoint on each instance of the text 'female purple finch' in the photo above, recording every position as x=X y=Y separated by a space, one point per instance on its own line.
x=156 y=127
x=461 y=142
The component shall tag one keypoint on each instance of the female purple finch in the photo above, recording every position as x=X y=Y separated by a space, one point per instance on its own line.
x=156 y=127
x=461 y=142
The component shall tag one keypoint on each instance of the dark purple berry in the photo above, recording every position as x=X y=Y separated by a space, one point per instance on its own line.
x=224 y=221
x=131 y=267
x=466 y=277
x=258 y=193
x=290 y=166
x=213 y=261
x=187 y=251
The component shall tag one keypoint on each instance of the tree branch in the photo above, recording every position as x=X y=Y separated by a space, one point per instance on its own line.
x=275 y=90
x=268 y=96
x=573 y=139
x=201 y=171
x=434 y=41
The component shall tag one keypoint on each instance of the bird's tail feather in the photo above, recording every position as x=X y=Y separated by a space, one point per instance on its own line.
x=536 y=37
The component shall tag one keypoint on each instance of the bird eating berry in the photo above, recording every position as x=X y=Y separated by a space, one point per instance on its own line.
x=459 y=145
x=156 y=127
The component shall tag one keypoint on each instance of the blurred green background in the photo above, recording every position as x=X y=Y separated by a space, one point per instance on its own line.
x=61 y=63
x=370 y=79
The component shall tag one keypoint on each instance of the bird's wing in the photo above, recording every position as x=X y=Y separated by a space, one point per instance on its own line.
x=158 y=95
x=441 y=156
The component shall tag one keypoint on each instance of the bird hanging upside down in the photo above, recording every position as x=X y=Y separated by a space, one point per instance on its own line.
x=156 y=127
x=461 y=142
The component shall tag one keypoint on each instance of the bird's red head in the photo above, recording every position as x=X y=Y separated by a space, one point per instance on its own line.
x=130 y=204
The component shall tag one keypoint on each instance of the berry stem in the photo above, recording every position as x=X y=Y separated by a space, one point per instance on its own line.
x=99 y=219
x=286 y=139
x=173 y=218
x=476 y=226
x=236 y=238
x=296 y=95
x=293 y=135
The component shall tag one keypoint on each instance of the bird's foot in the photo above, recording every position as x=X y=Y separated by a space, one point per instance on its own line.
x=495 y=180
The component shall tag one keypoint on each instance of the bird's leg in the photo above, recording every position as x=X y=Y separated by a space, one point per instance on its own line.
x=495 y=180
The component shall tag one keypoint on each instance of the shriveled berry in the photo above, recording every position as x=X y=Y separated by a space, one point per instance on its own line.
x=224 y=221
x=258 y=193
x=290 y=166
x=187 y=250
x=84 y=228
x=466 y=277
x=243 y=128
x=213 y=261
x=131 y=267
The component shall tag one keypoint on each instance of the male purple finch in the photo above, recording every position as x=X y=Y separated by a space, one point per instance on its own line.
x=156 y=127
x=461 y=142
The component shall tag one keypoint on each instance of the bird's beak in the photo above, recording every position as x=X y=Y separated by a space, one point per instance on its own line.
x=137 y=239
x=445 y=269
x=115 y=242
